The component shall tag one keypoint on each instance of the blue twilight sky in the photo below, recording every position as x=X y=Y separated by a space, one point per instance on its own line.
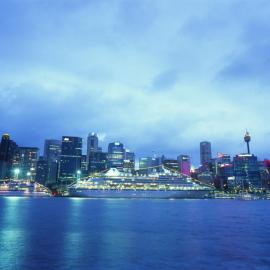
x=158 y=75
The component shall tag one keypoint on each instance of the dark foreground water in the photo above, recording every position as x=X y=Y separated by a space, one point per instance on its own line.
x=59 y=233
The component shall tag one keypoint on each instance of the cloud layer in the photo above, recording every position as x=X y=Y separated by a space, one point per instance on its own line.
x=158 y=75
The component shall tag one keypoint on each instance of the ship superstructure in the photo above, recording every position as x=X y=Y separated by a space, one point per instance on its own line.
x=116 y=184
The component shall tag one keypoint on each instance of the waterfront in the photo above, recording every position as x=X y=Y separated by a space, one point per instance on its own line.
x=69 y=233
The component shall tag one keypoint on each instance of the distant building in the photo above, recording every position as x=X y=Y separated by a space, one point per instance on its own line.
x=223 y=158
x=206 y=177
x=98 y=162
x=129 y=161
x=7 y=151
x=116 y=155
x=71 y=157
x=145 y=165
x=184 y=164
x=171 y=164
x=52 y=154
x=52 y=150
x=205 y=152
x=148 y=165
x=226 y=172
x=84 y=168
x=216 y=163
x=265 y=173
x=42 y=171
x=92 y=144
x=25 y=159
x=246 y=171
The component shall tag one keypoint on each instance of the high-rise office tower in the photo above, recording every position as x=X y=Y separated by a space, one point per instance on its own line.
x=184 y=164
x=98 y=162
x=52 y=150
x=116 y=155
x=92 y=149
x=25 y=159
x=92 y=144
x=52 y=154
x=42 y=171
x=205 y=152
x=70 y=161
x=7 y=151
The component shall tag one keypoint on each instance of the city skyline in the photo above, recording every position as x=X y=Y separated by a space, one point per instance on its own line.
x=103 y=146
x=132 y=71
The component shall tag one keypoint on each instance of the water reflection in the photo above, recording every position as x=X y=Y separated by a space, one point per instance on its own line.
x=12 y=233
x=63 y=234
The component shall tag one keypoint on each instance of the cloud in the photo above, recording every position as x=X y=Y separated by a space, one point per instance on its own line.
x=158 y=76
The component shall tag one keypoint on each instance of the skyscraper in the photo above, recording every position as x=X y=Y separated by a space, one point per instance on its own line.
x=116 y=154
x=205 y=152
x=96 y=159
x=98 y=162
x=42 y=171
x=70 y=162
x=52 y=150
x=7 y=151
x=52 y=154
x=92 y=144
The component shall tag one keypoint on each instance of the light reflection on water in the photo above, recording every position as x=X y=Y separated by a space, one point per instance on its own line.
x=59 y=233
x=12 y=234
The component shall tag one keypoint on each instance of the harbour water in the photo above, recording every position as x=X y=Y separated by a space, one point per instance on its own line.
x=69 y=233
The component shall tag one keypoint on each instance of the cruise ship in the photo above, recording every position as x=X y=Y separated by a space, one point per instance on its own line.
x=22 y=188
x=116 y=184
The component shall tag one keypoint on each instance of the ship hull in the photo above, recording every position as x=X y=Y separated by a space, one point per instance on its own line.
x=20 y=193
x=143 y=194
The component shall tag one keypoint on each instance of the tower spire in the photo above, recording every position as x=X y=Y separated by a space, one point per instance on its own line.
x=247 y=139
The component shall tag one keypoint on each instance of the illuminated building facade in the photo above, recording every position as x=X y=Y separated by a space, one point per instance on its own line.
x=92 y=145
x=52 y=154
x=145 y=165
x=246 y=171
x=172 y=164
x=129 y=161
x=184 y=164
x=7 y=151
x=70 y=161
x=265 y=173
x=116 y=155
x=42 y=171
x=25 y=159
x=84 y=169
x=98 y=162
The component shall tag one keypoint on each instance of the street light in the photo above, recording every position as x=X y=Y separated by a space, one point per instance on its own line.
x=28 y=176
x=17 y=172
x=79 y=175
